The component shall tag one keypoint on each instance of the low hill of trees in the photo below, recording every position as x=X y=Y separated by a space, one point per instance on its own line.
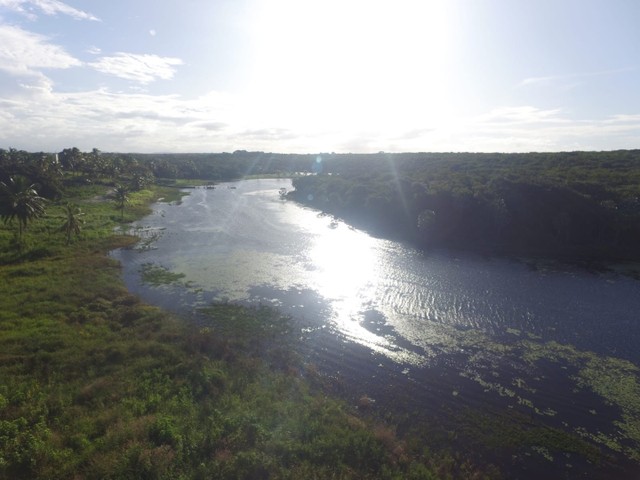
x=570 y=206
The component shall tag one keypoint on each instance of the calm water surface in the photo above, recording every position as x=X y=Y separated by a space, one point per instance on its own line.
x=382 y=317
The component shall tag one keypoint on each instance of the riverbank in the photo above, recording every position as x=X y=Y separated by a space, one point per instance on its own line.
x=96 y=384
x=394 y=225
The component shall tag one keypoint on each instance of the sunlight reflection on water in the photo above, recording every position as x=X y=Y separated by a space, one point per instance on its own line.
x=229 y=241
x=352 y=270
x=347 y=270
x=246 y=244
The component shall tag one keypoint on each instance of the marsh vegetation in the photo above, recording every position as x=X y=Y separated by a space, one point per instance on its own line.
x=94 y=383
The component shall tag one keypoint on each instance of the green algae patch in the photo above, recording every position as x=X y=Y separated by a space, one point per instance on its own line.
x=614 y=379
x=522 y=385
x=520 y=434
x=489 y=386
x=157 y=275
x=472 y=339
x=543 y=451
x=615 y=382
x=553 y=351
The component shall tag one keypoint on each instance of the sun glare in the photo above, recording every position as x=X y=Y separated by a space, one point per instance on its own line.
x=347 y=261
x=348 y=268
x=355 y=66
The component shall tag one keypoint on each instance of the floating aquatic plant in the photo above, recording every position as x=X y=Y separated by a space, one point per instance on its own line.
x=157 y=275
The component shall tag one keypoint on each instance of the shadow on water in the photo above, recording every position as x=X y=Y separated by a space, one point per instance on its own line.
x=533 y=369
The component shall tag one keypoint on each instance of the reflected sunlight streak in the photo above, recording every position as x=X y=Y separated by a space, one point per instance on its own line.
x=346 y=270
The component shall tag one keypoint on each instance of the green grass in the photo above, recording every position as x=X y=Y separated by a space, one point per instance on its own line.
x=96 y=384
x=183 y=182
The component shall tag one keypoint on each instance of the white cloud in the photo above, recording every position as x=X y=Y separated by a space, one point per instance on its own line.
x=569 y=79
x=524 y=129
x=521 y=114
x=141 y=122
x=119 y=121
x=48 y=7
x=208 y=125
x=22 y=52
x=538 y=81
x=514 y=129
x=621 y=119
x=143 y=68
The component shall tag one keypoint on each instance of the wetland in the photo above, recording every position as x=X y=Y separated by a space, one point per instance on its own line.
x=533 y=368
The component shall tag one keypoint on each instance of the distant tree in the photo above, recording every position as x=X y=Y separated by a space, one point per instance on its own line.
x=121 y=194
x=71 y=159
x=96 y=162
x=140 y=174
x=20 y=200
x=45 y=171
x=164 y=169
x=141 y=181
x=73 y=222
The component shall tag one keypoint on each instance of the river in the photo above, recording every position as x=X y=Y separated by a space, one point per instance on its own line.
x=436 y=334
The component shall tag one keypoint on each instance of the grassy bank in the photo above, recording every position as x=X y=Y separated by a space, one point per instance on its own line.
x=95 y=384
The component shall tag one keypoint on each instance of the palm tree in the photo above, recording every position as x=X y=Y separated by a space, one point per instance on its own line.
x=72 y=225
x=122 y=197
x=19 y=199
x=71 y=159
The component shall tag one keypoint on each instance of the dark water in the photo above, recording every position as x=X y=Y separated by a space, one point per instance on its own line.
x=433 y=333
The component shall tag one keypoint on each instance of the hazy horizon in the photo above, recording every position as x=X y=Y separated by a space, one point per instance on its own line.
x=244 y=151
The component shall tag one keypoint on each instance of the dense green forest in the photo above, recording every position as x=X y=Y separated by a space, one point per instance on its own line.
x=567 y=205
x=570 y=206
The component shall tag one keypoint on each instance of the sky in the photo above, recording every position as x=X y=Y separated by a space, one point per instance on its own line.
x=311 y=76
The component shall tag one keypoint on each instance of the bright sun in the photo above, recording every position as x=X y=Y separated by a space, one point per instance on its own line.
x=350 y=65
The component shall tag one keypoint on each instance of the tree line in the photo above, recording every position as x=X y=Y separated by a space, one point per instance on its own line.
x=570 y=205
x=573 y=205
